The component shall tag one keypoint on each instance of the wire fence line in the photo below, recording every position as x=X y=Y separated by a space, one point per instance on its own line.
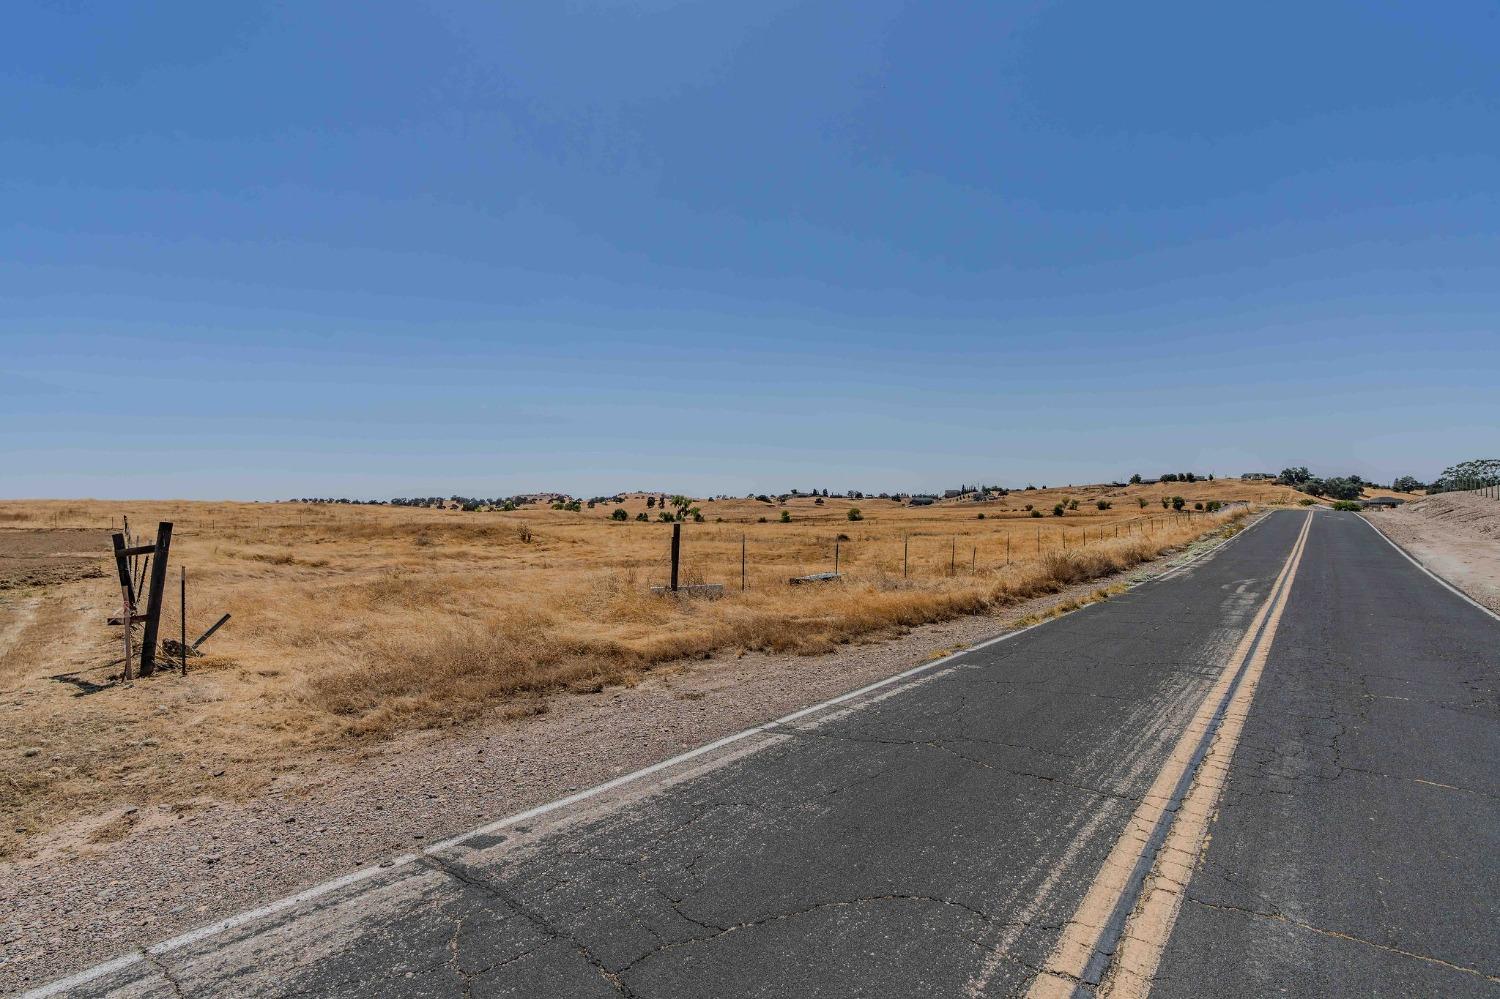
x=740 y=559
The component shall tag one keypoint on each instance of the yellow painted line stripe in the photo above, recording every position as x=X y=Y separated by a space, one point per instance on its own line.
x=1201 y=754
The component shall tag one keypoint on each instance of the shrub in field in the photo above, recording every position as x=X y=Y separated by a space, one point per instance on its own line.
x=1165 y=502
x=854 y=514
x=1198 y=505
x=1349 y=505
x=786 y=516
x=1214 y=506
x=1103 y=504
x=1035 y=513
x=760 y=520
x=619 y=514
x=841 y=537
x=1057 y=511
x=509 y=506
x=1028 y=507
x=981 y=516
x=524 y=533
x=1142 y=501
x=1178 y=502
x=642 y=516
x=665 y=517
x=1306 y=502
x=1072 y=504
x=650 y=502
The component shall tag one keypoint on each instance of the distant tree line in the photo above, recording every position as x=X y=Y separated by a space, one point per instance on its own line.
x=1477 y=473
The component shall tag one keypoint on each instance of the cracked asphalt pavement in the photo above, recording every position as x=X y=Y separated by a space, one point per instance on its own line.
x=934 y=837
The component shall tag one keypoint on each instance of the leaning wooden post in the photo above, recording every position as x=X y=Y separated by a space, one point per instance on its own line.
x=742 y=563
x=127 y=596
x=153 y=600
x=676 y=552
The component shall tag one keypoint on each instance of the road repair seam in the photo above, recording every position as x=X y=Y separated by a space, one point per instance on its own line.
x=1116 y=937
x=1440 y=580
x=913 y=675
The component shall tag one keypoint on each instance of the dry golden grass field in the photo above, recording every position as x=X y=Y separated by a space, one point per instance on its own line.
x=355 y=623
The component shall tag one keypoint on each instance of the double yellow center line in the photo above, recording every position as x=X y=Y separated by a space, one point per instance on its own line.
x=1115 y=939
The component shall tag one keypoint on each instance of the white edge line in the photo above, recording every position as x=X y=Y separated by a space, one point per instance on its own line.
x=364 y=874
x=1440 y=580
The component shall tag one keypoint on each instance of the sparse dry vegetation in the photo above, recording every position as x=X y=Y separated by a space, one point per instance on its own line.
x=353 y=623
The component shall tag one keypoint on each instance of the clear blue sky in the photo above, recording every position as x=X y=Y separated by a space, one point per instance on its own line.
x=268 y=250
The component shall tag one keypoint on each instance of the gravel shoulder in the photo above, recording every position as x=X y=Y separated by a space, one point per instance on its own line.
x=1455 y=535
x=134 y=876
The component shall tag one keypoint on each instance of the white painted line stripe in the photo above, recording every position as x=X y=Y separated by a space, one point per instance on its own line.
x=85 y=976
x=1440 y=580
x=364 y=874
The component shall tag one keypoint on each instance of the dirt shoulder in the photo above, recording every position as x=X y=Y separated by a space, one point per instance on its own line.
x=1455 y=535
x=134 y=876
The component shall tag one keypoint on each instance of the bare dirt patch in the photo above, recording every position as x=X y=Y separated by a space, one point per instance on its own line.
x=43 y=557
x=1456 y=535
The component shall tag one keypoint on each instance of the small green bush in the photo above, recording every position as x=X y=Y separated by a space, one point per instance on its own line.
x=1178 y=502
x=854 y=514
x=1035 y=513
x=642 y=516
x=760 y=520
x=619 y=514
x=1057 y=511
x=1349 y=505
x=1103 y=504
x=786 y=516
x=1142 y=501
x=981 y=516
x=1028 y=507
x=1198 y=505
x=1306 y=502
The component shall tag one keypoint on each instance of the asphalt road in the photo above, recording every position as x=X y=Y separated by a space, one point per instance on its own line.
x=943 y=835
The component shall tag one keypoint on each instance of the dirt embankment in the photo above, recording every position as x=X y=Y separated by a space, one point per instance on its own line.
x=1456 y=535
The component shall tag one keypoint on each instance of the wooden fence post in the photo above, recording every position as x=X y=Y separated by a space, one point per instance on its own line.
x=153 y=600
x=676 y=552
